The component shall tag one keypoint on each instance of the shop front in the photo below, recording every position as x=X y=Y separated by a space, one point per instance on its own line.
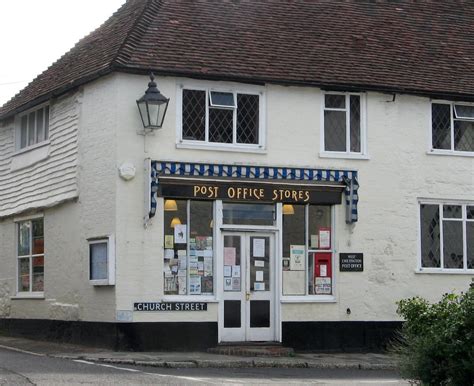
x=248 y=238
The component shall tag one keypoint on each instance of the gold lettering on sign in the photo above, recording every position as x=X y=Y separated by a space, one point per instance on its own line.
x=205 y=191
x=290 y=194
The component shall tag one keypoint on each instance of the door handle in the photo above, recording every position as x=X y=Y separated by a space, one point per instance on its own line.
x=247 y=296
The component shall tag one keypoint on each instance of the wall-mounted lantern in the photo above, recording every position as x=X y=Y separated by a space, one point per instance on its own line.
x=152 y=106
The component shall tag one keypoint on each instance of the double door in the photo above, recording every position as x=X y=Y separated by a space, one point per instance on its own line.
x=247 y=308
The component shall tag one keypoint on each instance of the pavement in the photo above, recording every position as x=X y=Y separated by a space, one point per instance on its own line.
x=363 y=361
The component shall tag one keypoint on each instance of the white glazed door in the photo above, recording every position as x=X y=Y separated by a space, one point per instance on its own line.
x=247 y=312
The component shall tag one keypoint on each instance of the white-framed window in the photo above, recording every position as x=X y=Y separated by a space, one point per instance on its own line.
x=228 y=118
x=308 y=251
x=102 y=260
x=32 y=127
x=446 y=236
x=452 y=127
x=30 y=256
x=343 y=124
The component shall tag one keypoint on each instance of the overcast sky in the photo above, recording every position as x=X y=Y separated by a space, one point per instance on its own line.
x=35 y=33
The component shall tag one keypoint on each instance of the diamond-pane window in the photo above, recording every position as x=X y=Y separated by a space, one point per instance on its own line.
x=342 y=123
x=441 y=126
x=194 y=115
x=223 y=117
x=430 y=233
x=452 y=121
x=247 y=118
x=221 y=125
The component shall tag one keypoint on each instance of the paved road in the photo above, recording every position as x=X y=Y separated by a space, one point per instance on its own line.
x=19 y=368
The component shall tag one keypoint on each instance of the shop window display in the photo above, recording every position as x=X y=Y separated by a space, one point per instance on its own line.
x=188 y=248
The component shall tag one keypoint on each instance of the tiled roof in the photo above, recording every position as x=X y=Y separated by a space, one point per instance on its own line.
x=422 y=48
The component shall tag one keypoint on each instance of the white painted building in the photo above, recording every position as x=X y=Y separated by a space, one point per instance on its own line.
x=284 y=208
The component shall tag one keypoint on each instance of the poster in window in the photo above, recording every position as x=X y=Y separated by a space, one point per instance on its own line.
x=195 y=285
x=207 y=284
x=258 y=247
x=169 y=240
x=229 y=255
x=180 y=234
x=228 y=284
x=324 y=238
x=322 y=286
x=297 y=257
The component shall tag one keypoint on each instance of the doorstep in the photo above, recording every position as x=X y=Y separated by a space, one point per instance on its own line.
x=251 y=349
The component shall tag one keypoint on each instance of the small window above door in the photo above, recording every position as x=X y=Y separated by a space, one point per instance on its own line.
x=248 y=214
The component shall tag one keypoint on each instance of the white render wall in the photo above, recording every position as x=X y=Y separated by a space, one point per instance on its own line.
x=398 y=173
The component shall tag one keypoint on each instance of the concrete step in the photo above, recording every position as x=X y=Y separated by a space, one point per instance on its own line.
x=259 y=349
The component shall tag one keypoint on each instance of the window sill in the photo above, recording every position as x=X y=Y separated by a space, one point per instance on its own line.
x=330 y=154
x=189 y=298
x=28 y=295
x=451 y=152
x=100 y=283
x=29 y=156
x=444 y=271
x=219 y=147
x=308 y=299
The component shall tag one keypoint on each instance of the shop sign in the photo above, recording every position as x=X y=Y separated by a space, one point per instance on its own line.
x=250 y=191
x=170 y=306
x=351 y=262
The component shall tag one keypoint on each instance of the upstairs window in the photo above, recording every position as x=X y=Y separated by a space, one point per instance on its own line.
x=33 y=127
x=452 y=127
x=221 y=117
x=343 y=130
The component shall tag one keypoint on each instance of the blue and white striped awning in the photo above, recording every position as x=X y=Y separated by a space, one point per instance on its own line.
x=185 y=169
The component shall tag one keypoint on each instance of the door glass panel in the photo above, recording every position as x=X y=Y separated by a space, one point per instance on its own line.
x=259 y=313
x=248 y=214
x=232 y=318
x=232 y=263
x=259 y=263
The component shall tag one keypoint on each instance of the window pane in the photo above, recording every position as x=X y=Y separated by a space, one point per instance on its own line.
x=470 y=212
x=46 y=122
x=24 y=274
x=463 y=111
x=98 y=261
x=355 y=122
x=200 y=247
x=175 y=253
x=319 y=223
x=38 y=273
x=441 y=126
x=31 y=129
x=430 y=236
x=452 y=211
x=24 y=238
x=221 y=99
x=452 y=244
x=39 y=126
x=221 y=125
x=194 y=115
x=470 y=244
x=232 y=263
x=38 y=237
x=464 y=135
x=247 y=118
x=24 y=131
x=249 y=214
x=335 y=131
x=335 y=101
x=293 y=229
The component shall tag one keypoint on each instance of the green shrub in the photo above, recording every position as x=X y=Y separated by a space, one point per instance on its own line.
x=436 y=343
